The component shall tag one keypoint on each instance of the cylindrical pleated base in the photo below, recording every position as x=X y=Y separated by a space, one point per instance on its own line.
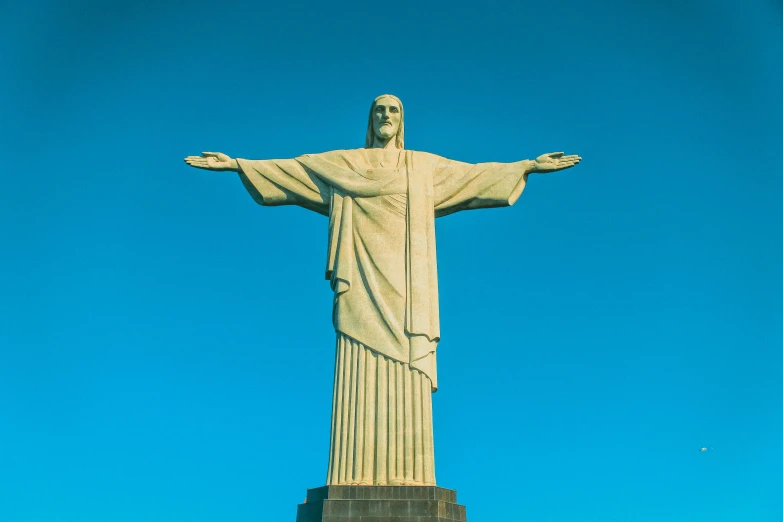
x=381 y=420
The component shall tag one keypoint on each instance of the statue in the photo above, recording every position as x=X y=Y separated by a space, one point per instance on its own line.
x=382 y=201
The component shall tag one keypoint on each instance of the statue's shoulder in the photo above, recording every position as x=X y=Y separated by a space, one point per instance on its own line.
x=351 y=159
x=336 y=155
x=425 y=157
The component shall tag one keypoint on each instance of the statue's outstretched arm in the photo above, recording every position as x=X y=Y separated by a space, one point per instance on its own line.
x=462 y=186
x=272 y=182
x=213 y=161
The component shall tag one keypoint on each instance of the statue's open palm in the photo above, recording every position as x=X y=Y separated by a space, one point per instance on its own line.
x=553 y=161
x=212 y=161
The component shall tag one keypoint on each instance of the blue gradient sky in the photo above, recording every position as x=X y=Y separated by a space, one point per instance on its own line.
x=154 y=364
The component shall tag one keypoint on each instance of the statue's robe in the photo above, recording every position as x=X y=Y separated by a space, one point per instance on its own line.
x=382 y=267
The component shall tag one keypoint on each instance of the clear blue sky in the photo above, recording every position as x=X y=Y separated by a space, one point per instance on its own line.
x=154 y=364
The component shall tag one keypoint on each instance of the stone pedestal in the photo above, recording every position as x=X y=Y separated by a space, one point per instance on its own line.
x=381 y=504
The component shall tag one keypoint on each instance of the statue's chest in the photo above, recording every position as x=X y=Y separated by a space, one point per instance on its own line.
x=391 y=179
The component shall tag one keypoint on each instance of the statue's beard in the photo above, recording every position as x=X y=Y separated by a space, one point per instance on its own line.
x=386 y=132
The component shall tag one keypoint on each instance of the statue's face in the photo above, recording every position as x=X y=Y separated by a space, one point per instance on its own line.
x=386 y=118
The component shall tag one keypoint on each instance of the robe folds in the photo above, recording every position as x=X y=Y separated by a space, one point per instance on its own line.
x=381 y=420
x=381 y=263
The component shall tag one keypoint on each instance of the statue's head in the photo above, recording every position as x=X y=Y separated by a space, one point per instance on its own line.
x=387 y=120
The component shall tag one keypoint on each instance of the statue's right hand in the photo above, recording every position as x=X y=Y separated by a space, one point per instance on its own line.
x=212 y=161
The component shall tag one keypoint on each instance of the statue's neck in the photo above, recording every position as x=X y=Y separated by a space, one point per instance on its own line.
x=380 y=143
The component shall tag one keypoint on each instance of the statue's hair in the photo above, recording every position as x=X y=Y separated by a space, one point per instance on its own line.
x=400 y=137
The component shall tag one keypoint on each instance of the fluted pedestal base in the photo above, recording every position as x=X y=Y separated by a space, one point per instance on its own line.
x=381 y=504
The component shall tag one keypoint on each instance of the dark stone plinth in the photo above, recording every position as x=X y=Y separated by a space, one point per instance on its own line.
x=381 y=504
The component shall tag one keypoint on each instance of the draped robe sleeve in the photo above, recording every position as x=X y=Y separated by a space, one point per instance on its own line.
x=284 y=182
x=464 y=186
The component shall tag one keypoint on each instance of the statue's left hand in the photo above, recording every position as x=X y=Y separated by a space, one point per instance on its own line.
x=554 y=161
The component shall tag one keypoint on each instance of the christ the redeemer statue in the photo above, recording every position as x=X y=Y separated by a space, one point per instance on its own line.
x=382 y=201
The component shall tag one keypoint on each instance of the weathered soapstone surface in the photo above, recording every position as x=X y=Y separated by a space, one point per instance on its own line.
x=381 y=504
x=382 y=201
